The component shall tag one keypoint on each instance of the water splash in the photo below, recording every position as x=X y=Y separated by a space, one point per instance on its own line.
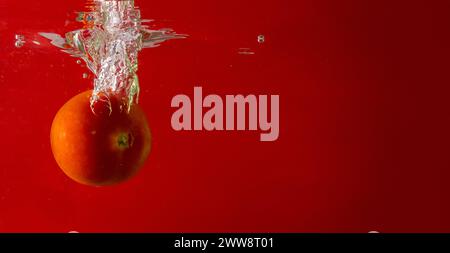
x=109 y=43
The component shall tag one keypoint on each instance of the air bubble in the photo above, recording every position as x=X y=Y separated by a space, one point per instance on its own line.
x=245 y=51
x=85 y=75
x=19 y=44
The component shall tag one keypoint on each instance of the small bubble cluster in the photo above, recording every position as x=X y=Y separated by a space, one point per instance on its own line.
x=261 y=39
x=20 y=40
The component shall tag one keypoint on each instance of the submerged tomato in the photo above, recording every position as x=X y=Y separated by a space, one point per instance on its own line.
x=99 y=149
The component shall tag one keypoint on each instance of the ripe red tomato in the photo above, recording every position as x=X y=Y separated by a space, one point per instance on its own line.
x=99 y=149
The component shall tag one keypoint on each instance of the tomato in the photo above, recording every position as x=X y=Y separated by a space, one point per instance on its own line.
x=99 y=149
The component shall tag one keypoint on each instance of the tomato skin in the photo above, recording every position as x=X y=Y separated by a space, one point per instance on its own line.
x=103 y=148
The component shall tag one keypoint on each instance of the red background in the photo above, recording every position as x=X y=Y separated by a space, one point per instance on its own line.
x=364 y=126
